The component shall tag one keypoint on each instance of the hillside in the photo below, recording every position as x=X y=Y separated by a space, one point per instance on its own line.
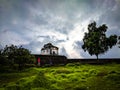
x=70 y=77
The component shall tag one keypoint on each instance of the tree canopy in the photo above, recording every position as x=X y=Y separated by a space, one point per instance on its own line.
x=11 y=55
x=96 y=42
x=119 y=41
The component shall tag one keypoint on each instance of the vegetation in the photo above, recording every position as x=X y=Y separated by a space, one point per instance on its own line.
x=96 y=42
x=119 y=41
x=15 y=57
x=73 y=76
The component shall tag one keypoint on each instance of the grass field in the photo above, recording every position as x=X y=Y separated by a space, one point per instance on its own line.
x=70 y=77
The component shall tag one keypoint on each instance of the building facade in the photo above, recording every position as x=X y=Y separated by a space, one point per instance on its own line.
x=49 y=49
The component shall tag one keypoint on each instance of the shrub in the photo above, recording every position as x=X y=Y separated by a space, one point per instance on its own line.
x=102 y=73
x=113 y=77
x=63 y=70
x=92 y=72
x=70 y=64
x=112 y=72
x=14 y=87
x=38 y=88
x=29 y=65
x=41 y=81
x=63 y=75
x=80 y=88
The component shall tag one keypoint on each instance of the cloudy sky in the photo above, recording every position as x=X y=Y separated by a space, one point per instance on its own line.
x=33 y=23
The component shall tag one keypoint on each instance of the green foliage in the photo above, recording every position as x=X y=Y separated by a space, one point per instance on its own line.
x=80 y=88
x=41 y=81
x=14 y=87
x=3 y=59
x=102 y=73
x=96 y=42
x=77 y=77
x=12 y=55
x=63 y=70
x=70 y=64
x=113 y=77
x=119 y=41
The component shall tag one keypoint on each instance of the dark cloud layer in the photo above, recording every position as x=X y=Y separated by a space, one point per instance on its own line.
x=33 y=23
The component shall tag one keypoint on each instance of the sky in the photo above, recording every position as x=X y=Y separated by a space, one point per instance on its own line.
x=33 y=23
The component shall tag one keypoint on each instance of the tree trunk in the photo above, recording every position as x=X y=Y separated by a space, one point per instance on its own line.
x=97 y=59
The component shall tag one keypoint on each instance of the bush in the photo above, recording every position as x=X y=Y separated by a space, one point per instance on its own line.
x=112 y=72
x=14 y=87
x=41 y=81
x=63 y=70
x=102 y=73
x=70 y=64
x=29 y=65
x=80 y=88
x=113 y=77
x=92 y=72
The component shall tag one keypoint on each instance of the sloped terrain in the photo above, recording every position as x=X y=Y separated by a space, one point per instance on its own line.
x=73 y=76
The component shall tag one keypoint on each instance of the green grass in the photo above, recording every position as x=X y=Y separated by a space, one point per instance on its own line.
x=70 y=77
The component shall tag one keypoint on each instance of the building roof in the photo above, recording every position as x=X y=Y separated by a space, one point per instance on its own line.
x=49 y=45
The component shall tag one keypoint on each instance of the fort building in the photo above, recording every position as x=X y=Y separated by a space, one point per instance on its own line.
x=49 y=49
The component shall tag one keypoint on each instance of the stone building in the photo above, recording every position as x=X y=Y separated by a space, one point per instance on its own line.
x=49 y=49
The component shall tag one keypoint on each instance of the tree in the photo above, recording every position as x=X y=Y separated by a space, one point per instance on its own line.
x=3 y=59
x=23 y=56
x=119 y=41
x=96 y=42
x=9 y=52
x=18 y=55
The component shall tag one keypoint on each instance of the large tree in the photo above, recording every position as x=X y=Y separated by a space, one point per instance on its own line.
x=23 y=57
x=10 y=52
x=95 y=40
x=18 y=55
x=3 y=59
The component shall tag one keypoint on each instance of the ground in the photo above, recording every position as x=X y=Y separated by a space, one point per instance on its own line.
x=73 y=76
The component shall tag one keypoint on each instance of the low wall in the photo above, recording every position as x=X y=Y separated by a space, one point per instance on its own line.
x=95 y=61
x=51 y=59
x=59 y=59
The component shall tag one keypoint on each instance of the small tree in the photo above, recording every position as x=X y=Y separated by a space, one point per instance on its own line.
x=119 y=41
x=18 y=55
x=9 y=52
x=3 y=59
x=96 y=42
x=23 y=57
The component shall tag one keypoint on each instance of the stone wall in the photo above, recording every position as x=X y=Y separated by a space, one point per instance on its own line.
x=59 y=59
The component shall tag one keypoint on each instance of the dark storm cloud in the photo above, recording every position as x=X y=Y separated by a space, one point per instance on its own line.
x=11 y=9
x=33 y=46
x=62 y=22
x=111 y=17
x=1 y=46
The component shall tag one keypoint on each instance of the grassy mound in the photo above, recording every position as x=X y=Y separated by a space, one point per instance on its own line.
x=69 y=77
